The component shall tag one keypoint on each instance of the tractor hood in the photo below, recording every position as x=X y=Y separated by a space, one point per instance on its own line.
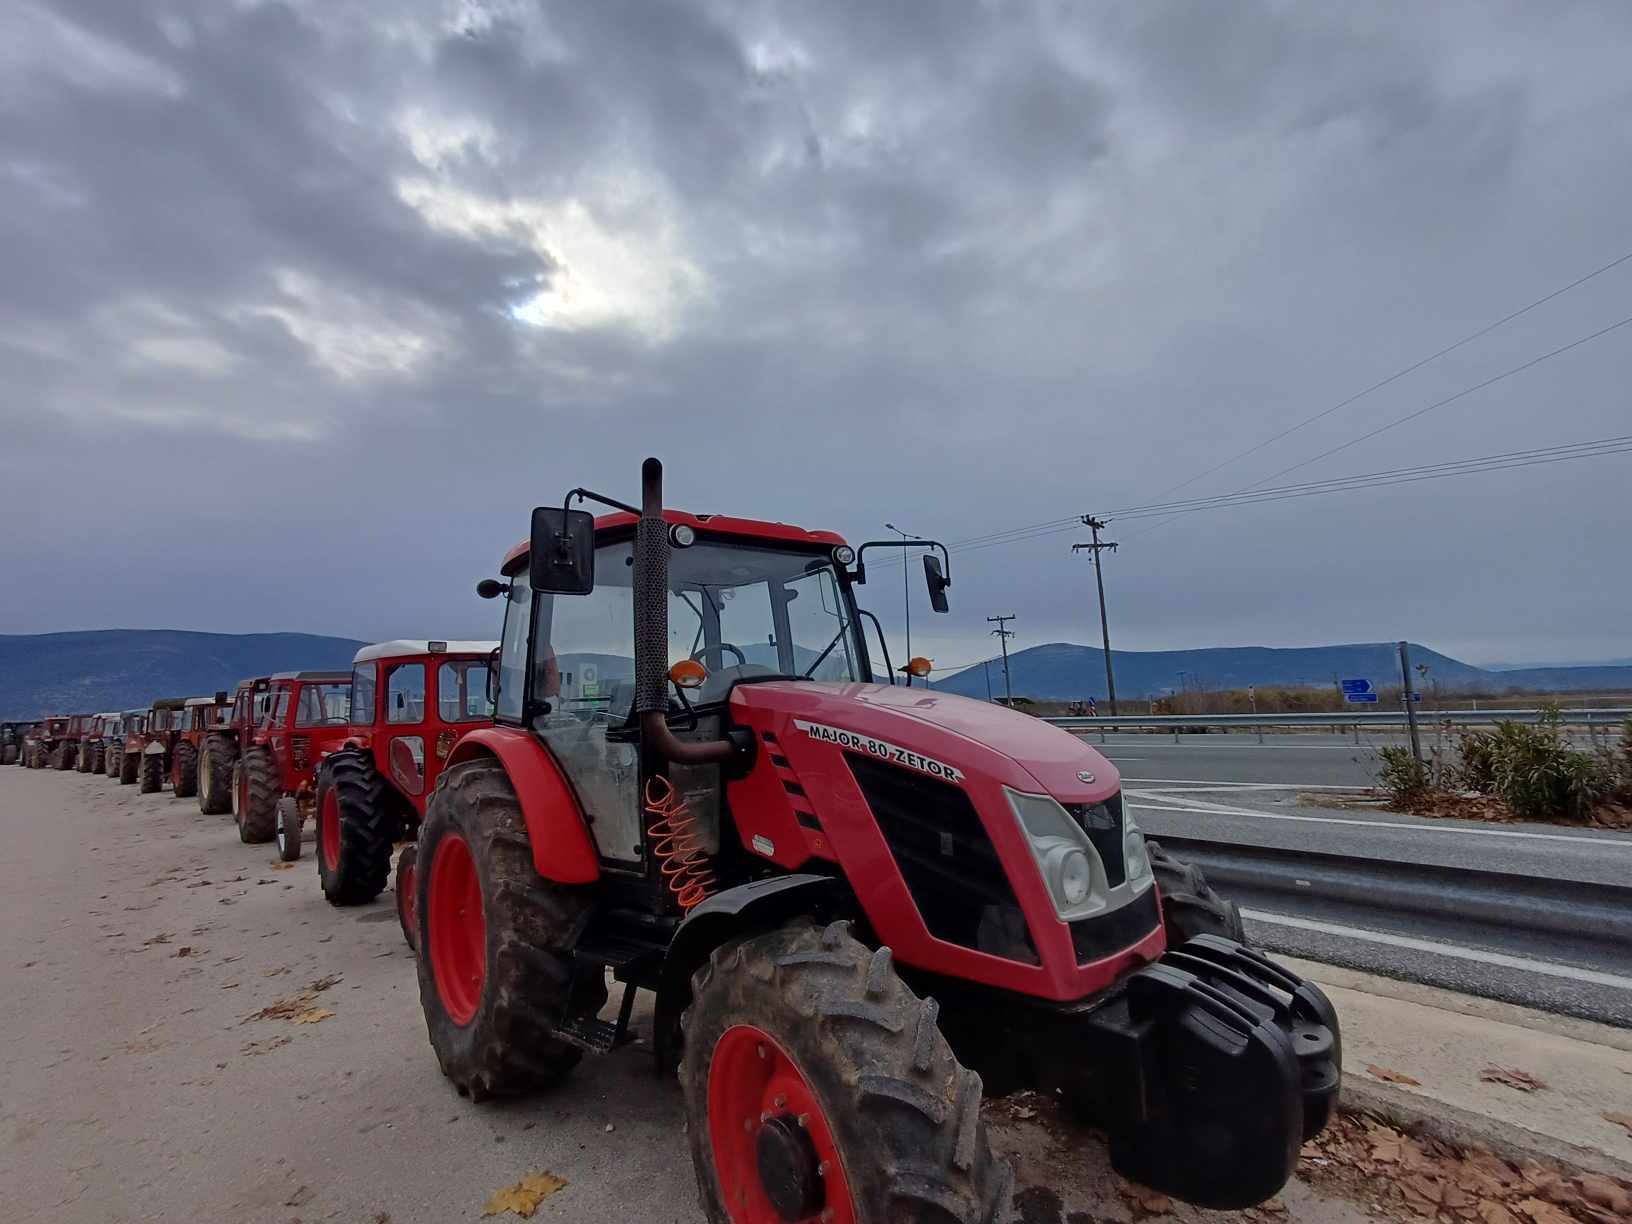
x=973 y=737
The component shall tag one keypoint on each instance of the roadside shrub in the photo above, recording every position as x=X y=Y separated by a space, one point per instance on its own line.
x=1535 y=772
x=1404 y=778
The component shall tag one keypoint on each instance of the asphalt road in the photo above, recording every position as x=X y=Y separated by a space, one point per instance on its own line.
x=140 y=944
x=1281 y=794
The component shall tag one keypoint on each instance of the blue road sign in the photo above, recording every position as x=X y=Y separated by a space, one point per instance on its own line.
x=1415 y=697
x=1362 y=697
x=1356 y=686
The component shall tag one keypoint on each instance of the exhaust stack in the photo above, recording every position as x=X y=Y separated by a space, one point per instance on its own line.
x=651 y=594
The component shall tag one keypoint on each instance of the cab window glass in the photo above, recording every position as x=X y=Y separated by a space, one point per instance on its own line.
x=323 y=705
x=362 y=693
x=518 y=616
x=405 y=693
x=461 y=691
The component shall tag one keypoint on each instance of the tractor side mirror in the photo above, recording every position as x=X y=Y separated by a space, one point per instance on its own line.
x=562 y=560
x=491 y=588
x=937 y=582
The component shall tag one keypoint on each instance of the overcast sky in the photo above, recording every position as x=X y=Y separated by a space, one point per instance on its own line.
x=303 y=306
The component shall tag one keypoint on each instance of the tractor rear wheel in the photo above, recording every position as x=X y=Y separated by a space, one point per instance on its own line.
x=111 y=760
x=62 y=759
x=184 y=770
x=82 y=758
x=817 y=1083
x=356 y=824
x=129 y=764
x=150 y=773
x=215 y=775
x=99 y=759
x=1189 y=906
x=495 y=939
x=8 y=755
x=405 y=894
x=255 y=793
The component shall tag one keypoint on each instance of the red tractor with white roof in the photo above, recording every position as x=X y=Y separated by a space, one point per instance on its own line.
x=306 y=716
x=204 y=719
x=843 y=893
x=156 y=744
x=411 y=700
x=92 y=744
x=65 y=752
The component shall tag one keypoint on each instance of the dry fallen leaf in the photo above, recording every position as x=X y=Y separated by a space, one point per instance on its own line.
x=1491 y=1212
x=1543 y=1212
x=284 y=1009
x=1144 y=1200
x=524 y=1197
x=1624 y=1121
x=161 y=938
x=1512 y=1078
x=1391 y=1077
x=311 y=1015
x=1606 y=1193
x=283 y=866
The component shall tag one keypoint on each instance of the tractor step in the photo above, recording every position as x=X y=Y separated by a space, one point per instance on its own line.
x=588 y=1033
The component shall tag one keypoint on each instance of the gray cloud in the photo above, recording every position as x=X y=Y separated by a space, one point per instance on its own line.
x=303 y=305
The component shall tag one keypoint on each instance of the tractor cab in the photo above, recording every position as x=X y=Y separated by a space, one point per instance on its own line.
x=411 y=701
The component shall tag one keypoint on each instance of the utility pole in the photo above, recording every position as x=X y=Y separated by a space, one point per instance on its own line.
x=1095 y=525
x=1410 y=706
x=1003 y=635
x=906 y=601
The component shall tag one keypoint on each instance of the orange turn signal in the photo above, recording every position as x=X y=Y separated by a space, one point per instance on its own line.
x=918 y=666
x=688 y=674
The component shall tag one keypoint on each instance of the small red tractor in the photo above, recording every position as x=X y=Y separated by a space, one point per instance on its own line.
x=39 y=743
x=155 y=745
x=203 y=718
x=845 y=895
x=305 y=716
x=410 y=703
x=65 y=752
x=130 y=747
x=114 y=730
x=93 y=744
x=223 y=747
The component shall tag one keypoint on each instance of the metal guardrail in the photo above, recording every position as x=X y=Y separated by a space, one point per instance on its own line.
x=1612 y=716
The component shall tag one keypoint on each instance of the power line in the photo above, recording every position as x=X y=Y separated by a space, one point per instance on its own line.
x=1401 y=373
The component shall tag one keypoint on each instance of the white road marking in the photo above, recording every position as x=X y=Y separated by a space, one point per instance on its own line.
x=1454 y=951
x=1216 y=809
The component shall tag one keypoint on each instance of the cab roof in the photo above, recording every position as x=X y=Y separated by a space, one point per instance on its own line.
x=198 y=701
x=405 y=647
x=712 y=524
x=316 y=677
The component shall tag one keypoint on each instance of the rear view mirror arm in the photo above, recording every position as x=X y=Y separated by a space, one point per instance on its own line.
x=860 y=576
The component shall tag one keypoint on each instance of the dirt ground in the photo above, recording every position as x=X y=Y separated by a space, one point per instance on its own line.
x=193 y=1033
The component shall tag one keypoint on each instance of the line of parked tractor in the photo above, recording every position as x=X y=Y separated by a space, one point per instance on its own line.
x=354 y=755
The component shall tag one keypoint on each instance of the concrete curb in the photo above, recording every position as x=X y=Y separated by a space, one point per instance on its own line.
x=1421 y=1115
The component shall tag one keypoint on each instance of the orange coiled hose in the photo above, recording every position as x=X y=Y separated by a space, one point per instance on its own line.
x=675 y=844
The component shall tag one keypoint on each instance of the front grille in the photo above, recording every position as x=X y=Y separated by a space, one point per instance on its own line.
x=1102 y=822
x=1105 y=934
x=300 y=749
x=946 y=858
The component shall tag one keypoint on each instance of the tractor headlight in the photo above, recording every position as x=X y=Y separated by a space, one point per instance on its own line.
x=1065 y=857
x=1134 y=853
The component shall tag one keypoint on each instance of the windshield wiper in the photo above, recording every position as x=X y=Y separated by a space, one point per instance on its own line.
x=822 y=658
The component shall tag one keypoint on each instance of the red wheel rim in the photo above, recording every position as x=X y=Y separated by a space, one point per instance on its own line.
x=330 y=823
x=753 y=1083
x=458 y=928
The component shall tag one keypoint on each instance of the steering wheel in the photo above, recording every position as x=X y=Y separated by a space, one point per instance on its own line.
x=698 y=656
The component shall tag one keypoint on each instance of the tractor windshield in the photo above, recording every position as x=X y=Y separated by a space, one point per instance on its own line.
x=740 y=610
x=324 y=705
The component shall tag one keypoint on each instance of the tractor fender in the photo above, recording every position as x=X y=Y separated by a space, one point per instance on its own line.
x=756 y=906
x=153 y=750
x=562 y=848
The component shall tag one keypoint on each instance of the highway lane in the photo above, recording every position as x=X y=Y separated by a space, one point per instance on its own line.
x=1315 y=759
x=1452 y=941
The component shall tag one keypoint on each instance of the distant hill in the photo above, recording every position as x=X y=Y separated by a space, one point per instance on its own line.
x=1061 y=671
x=118 y=669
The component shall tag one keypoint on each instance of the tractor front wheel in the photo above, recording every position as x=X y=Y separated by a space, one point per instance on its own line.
x=82 y=758
x=99 y=759
x=62 y=759
x=1189 y=906
x=129 y=764
x=405 y=894
x=255 y=793
x=288 y=833
x=496 y=973
x=112 y=759
x=184 y=771
x=8 y=755
x=817 y=1085
x=356 y=824
x=150 y=773
x=215 y=776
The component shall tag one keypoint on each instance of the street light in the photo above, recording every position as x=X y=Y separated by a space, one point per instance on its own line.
x=906 y=601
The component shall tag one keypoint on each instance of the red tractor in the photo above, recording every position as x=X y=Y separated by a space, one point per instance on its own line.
x=40 y=741
x=410 y=703
x=154 y=747
x=844 y=894
x=114 y=733
x=305 y=717
x=88 y=758
x=202 y=718
x=65 y=752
